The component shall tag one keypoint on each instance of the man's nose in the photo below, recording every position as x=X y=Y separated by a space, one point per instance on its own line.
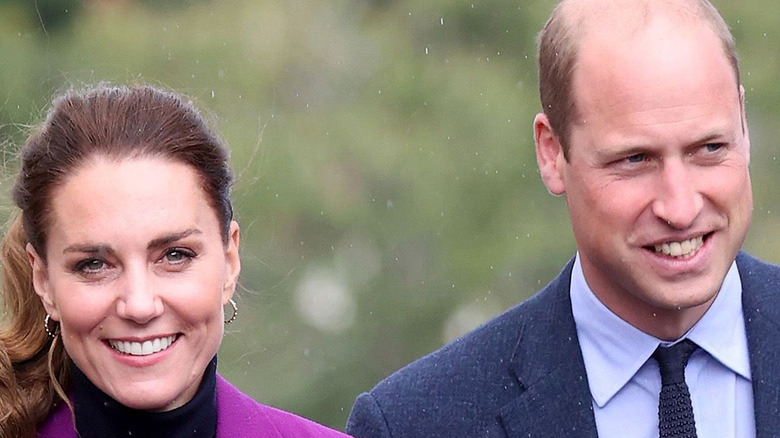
x=678 y=200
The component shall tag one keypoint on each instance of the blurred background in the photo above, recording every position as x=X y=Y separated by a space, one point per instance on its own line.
x=387 y=185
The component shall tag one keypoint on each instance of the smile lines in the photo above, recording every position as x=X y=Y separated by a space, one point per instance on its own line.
x=680 y=249
x=142 y=348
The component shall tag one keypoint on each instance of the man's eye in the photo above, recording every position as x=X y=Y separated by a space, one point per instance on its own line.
x=636 y=158
x=714 y=147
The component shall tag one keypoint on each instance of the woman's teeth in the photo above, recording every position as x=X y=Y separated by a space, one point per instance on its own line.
x=144 y=348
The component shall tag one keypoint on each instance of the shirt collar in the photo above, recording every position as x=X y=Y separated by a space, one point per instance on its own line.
x=721 y=331
x=614 y=350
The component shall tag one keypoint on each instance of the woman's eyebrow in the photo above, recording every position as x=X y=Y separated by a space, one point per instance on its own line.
x=170 y=238
x=91 y=248
x=101 y=248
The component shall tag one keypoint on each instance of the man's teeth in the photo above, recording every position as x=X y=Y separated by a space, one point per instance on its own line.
x=680 y=249
x=143 y=348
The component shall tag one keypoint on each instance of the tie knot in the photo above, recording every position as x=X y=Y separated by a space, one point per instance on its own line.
x=672 y=361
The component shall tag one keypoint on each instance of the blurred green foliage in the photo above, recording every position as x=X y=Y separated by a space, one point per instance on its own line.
x=388 y=192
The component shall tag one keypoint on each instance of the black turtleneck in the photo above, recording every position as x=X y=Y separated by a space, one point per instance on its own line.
x=100 y=416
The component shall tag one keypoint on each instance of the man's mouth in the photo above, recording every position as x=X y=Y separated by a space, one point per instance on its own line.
x=680 y=249
x=144 y=348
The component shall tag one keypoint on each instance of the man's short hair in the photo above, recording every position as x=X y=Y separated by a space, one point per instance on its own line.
x=558 y=46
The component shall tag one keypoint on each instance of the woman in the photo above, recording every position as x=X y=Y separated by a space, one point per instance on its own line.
x=115 y=276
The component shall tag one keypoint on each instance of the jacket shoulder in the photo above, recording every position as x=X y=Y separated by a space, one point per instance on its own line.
x=461 y=386
x=58 y=424
x=240 y=416
x=753 y=270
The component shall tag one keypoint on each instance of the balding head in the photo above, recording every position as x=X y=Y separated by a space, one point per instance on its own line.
x=573 y=21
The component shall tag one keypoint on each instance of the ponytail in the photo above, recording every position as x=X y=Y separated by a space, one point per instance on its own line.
x=33 y=366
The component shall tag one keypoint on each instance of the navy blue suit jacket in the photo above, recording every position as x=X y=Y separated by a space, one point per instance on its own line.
x=522 y=374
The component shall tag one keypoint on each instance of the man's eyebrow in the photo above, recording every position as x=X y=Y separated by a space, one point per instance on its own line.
x=714 y=136
x=170 y=238
x=627 y=149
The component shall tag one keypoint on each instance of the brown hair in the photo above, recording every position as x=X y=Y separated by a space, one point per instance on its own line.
x=114 y=122
x=558 y=47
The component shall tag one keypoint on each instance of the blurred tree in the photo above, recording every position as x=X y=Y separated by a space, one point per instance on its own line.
x=51 y=15
x=388 y=192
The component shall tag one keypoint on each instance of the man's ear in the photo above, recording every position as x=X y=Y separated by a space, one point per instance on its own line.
x=743 y=116
x=40 y=278
x=549 y=155
x=232 y=263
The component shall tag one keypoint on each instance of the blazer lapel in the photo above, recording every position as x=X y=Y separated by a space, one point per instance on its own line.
x=761 y=307
x=548 y=365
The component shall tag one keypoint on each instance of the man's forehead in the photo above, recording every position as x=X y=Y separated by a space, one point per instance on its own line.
x=625 y=17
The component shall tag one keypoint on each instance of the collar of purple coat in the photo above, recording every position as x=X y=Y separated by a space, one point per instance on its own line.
x=238 y=416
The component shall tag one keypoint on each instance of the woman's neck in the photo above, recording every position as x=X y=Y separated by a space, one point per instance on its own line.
x=99 y=416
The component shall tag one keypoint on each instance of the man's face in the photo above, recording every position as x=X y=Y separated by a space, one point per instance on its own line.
x=657 y=179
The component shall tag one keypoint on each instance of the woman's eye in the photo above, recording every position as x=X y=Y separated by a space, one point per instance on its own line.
x=177 y=256
x=90 y=265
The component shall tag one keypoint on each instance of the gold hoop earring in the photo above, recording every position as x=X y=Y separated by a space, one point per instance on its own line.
x=46 y=327
x=235 y=312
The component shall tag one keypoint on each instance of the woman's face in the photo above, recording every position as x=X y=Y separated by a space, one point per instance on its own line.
x=137 y=274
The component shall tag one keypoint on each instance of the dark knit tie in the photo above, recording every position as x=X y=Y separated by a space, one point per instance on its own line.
x=675 y=413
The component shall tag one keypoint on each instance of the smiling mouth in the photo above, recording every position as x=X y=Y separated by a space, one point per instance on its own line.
x=681 y=249
x=144 y=348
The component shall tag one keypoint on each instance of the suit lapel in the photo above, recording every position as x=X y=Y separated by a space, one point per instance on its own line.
x=548 y=365
x=761 y=307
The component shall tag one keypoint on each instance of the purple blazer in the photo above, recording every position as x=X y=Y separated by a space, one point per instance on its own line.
x=238 y=416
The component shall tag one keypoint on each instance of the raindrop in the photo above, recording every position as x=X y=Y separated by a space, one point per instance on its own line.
x=441 y=21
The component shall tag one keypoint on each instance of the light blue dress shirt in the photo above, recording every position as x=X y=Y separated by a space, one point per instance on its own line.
x=625 y=383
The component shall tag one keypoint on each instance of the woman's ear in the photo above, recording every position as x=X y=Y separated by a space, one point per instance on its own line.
x=549 y=155
x=232 y=263
x=40 y=278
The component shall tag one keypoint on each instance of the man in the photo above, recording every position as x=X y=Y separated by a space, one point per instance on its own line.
x=643 y=130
